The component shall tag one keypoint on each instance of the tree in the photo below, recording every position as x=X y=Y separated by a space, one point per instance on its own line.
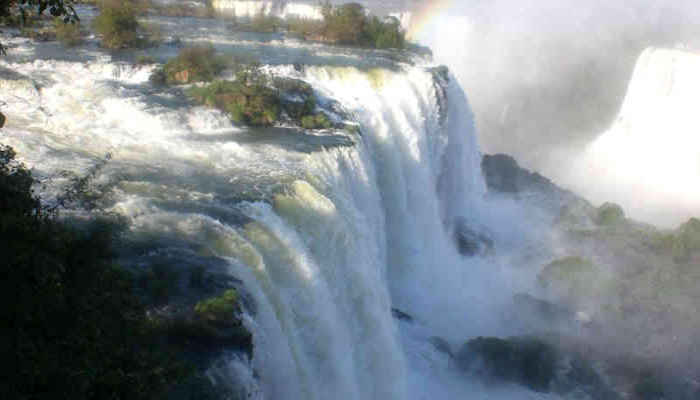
x=57 y=8
x=72 y=326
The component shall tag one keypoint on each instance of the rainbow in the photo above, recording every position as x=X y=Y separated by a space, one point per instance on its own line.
x=421 y=18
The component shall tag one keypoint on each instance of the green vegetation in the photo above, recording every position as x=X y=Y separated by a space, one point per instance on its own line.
x=318 y=121
x=160 y=283
x=68 y=33
x=118 y=25
x=12 y=15
x=72 y=325
x=681 y=243
x=145 y=59
x=260 y=23
x=610 y=214
x=305 y=27
x=349 y=24
x=193 y=64
x=218 y=308
x=256 y=99
x=250 y=104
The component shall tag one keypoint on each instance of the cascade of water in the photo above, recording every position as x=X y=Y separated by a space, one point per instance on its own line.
x=658 y=122
x=354 y=232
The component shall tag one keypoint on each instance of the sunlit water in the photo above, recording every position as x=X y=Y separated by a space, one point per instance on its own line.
x=326 y=237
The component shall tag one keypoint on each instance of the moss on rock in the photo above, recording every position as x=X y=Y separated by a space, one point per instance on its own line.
x=220 y=308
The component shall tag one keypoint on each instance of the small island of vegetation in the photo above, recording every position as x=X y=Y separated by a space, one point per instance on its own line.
x=348 y=24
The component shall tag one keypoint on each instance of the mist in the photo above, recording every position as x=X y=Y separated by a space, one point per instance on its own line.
x=546 y=79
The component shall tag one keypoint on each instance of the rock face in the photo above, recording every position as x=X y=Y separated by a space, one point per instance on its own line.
x=503 y=174
x=538 y=364
x=526 y=361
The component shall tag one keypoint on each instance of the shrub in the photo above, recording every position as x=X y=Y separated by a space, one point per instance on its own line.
x=259 y=23
x=318 y=121
x=385 y=34
x=194 y=64
x=252 y=104
x=610 y=214
x=117 y=24
x=68 y=33
x=349 y=24
x=303 y=26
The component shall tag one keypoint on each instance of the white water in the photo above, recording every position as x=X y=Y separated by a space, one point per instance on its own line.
x=342 y=236
x=649 y=160
x=281 y=9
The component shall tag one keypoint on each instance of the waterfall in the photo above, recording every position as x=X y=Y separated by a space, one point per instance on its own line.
x=657 y=121
x=276 y=8
x=325 y=242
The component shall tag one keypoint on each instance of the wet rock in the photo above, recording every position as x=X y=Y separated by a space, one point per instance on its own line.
x=469 y=241
x=400 y=315
x=2 y=120
x=442 y=346
x=524 y=360
x=503 y=174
